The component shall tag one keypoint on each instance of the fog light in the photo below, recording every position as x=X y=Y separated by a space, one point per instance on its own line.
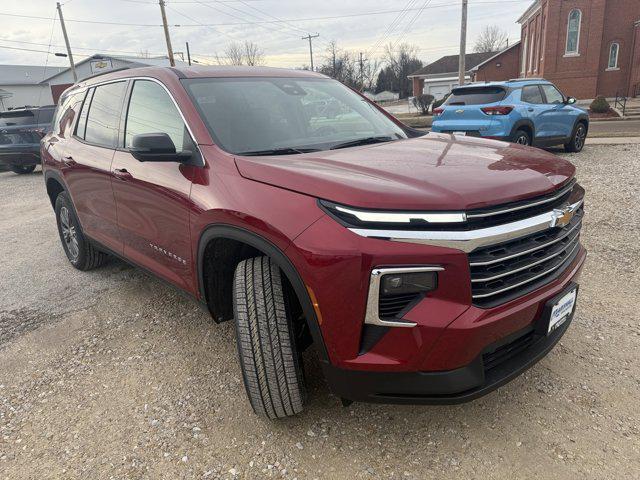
x=406 y=283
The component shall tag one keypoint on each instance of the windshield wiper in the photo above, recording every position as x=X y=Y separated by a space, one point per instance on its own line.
x=362 y=141
x=278 y=151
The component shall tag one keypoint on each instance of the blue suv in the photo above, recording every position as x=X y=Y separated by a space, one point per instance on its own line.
x=524 y=111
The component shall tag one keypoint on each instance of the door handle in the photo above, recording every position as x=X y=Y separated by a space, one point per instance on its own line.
x=122 y=174
x=530 y=109
x=68 y=160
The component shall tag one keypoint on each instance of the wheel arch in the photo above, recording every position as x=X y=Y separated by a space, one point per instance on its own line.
x=524 y=124
x=55 y=185
x=254 y=243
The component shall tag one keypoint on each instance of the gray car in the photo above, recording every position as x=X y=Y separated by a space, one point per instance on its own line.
x=20 y=132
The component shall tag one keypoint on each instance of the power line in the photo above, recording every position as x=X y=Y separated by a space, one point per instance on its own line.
x=306 y=19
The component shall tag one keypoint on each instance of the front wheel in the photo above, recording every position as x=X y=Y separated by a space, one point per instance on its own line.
x=79 y=250
x=578 y=139
x=522 y=137
x=22 y=169
x=270 y=362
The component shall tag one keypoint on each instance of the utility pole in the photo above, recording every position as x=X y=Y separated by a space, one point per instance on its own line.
x=172 y=61
x=309 y=37
x=66 y=42
x=188 y=54
x=463 y=44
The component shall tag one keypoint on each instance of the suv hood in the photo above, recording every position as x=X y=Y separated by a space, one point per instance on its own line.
x=433 y=172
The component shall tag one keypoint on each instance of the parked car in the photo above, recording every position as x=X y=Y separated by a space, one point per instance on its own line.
x=20 y=132
x=423 y=268
x=528 y=112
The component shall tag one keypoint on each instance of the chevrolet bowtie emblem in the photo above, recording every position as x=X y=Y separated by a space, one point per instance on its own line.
x=563 y=216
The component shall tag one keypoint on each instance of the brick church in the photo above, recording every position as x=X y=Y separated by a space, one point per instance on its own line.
x=586 y=47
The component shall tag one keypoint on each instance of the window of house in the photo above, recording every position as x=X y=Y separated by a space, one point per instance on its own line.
x=573 y=32
x=532 y=94
x=553 y=94
x=151 y=110
x=613 y=55
x=103 y=119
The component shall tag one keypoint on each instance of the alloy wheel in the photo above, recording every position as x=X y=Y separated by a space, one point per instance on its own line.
x=581 y=136
x=69 y=233
x=522 y=140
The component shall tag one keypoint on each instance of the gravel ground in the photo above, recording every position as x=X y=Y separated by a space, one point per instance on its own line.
x=112 y=374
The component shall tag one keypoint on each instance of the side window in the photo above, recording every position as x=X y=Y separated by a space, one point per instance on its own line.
x=104 y=114
x=151 y=110
x=81 y=127
x=552 y=94
x=532 y=94
x=66 y=112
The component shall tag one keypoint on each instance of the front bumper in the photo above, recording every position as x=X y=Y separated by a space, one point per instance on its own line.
x=448 y=387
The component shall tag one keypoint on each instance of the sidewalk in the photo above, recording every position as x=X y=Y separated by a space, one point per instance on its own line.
x=613 y=141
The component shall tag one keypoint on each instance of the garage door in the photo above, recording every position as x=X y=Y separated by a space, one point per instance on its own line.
x=439 y=91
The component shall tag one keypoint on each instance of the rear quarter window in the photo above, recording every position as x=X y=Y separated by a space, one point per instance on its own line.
x=476 y=95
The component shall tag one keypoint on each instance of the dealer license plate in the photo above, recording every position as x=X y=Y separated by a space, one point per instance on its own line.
x=562 y=310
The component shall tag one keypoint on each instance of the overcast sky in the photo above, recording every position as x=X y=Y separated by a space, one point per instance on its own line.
x=357 y=25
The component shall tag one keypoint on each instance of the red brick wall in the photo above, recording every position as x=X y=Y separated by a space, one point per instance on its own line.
x=418 y=86
x=503 y=67
x=618 y=27
x=584 y=75
x=634 y=85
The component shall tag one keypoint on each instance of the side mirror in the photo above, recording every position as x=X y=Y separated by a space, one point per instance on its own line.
x=571 y=101
x=156 y=147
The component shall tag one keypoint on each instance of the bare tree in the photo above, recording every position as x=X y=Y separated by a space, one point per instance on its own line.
x=253 y=54
x=491 y=39
x=402 y=61
x=248 y=53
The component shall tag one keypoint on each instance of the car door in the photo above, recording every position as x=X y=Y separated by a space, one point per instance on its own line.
x=557 y=117
x=152 y=198
x=86 y=162
x=535 y=106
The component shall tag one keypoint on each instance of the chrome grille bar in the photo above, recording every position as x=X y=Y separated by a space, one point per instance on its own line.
x=529 y=280
x=529 y=265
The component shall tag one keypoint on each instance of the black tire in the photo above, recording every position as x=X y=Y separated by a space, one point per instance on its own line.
x=271 y=364
x=522 y=137
x=578 y=139
x=79 y=250
x=22 y=169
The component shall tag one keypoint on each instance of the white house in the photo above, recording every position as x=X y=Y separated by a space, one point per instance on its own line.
x=21 y=85
x=440 y=77
x=60 y=81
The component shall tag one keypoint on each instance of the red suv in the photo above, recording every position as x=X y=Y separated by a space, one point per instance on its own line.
x=423 y=268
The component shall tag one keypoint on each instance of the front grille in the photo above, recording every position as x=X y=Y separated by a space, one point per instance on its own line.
x=393 y=306
x=502 y=272
x=507 y=351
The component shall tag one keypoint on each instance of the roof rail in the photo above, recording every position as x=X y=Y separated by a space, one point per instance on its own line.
x=527 y=79
x=104 y=73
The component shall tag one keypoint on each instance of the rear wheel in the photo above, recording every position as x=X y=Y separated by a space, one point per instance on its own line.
x=22 y=169
x=522 y=137
x=79 y=250
x=270 y=362
x=578 y=139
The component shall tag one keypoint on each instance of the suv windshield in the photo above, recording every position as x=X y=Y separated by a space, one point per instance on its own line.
x=476 y=96
x=267 y=116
